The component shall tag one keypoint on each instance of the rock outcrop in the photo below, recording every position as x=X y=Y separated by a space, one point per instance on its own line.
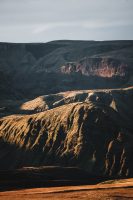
x=102 y=67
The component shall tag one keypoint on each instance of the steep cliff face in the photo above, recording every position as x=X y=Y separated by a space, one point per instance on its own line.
x=83 y=134
x=103 y=67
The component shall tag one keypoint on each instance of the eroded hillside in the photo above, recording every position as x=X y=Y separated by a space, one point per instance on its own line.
x=89 y=129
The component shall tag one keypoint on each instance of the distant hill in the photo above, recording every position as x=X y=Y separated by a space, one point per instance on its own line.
x=31 y=70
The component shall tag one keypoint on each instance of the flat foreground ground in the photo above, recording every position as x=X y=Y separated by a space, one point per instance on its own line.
x=117 y=191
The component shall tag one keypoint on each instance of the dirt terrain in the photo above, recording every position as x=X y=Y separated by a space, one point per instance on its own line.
x=115 y=191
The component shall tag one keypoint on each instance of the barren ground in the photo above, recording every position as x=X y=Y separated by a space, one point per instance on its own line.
x=116 y=191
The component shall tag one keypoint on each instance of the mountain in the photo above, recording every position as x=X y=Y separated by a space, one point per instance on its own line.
x=88 y=129
x=31 y=70
x=68 y=104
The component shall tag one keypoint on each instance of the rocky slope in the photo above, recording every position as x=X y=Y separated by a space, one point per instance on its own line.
x=31 y=70
x=89 y=129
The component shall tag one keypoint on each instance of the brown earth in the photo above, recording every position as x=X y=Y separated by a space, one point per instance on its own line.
x=112 y=191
